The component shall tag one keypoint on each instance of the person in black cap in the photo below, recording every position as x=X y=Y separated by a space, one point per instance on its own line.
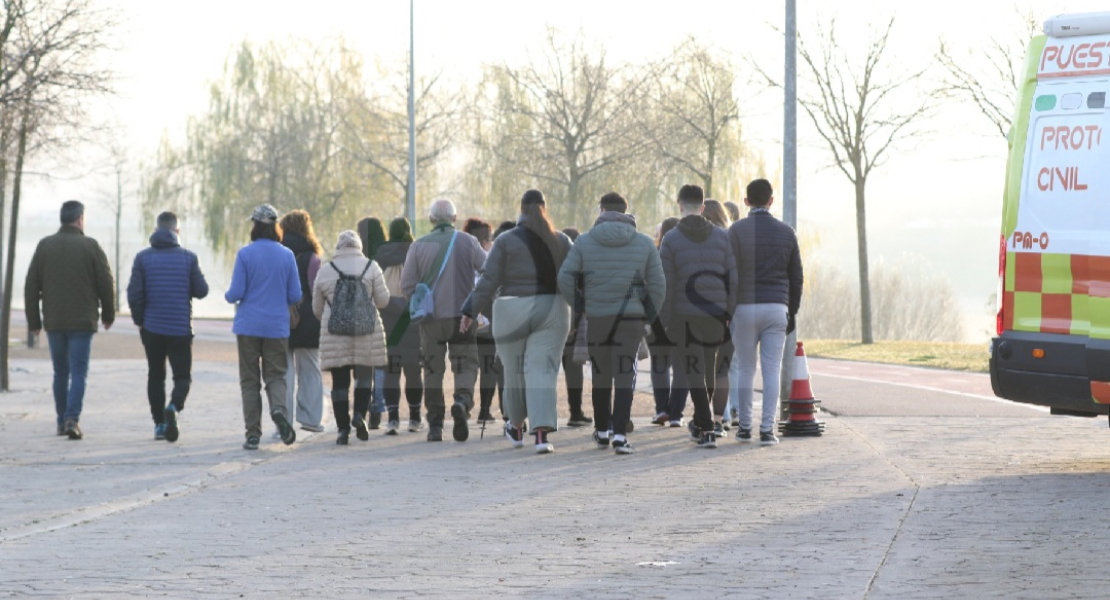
x=530 y=319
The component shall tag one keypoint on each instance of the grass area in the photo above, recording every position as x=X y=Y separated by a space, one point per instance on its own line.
x=940 y=355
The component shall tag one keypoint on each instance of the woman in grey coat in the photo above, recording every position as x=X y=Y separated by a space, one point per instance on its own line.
x=530 y=319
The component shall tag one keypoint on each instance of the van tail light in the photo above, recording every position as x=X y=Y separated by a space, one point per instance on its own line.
x=1001 y=283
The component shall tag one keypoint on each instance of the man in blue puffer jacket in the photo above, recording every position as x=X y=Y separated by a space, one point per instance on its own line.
x=623 y=287
x=164 y=280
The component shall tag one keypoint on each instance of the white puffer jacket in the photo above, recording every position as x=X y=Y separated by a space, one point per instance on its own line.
x=343 y=350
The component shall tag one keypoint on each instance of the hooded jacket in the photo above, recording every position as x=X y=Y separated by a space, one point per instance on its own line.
x=768 y=263
x=619 y=268
x=164 y=280
x=700 y=270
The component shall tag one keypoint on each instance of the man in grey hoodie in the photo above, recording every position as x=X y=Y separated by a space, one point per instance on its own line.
x=622 y=288
x=701 y=294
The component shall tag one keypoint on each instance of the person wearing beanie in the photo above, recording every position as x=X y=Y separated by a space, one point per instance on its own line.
x=264 y=284
x=518 y=289
x=342 y=353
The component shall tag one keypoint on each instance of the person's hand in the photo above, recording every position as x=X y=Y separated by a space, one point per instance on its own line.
x=789 y=324
x=464 y=324
x=36 y=331
x=107 y=325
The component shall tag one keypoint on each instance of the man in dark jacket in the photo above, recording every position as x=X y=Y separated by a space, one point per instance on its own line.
x=69 y=275
x=769 y=268
x=701 y=294
x=164 y=280
x=623 y=287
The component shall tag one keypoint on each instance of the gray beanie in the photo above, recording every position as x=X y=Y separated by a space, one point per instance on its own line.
x=348 y=239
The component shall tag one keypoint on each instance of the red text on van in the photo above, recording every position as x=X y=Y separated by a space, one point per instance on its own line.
x=1080 y=137
x=1026 y=240
x=1073 y=57
x=1052 y=178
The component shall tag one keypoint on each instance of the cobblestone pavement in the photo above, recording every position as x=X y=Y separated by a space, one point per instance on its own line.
x=936 y=505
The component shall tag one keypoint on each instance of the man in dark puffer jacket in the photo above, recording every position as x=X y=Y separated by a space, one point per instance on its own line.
x=164 y=280
x=623 y=287
x=701 y=294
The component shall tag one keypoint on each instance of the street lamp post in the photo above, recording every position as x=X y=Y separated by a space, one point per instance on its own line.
x=789 y=179
x=412 y=126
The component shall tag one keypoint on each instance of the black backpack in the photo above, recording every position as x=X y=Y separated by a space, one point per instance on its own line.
x=352 y=311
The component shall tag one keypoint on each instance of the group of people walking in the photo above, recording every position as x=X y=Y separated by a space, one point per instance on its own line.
x=504 y=310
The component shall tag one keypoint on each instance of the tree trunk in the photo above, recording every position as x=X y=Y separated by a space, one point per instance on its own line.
x=6 y=312
x=864 y=278
x=709 y=173
x=119 y=216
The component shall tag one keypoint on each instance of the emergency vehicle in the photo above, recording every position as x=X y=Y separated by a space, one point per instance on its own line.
x=1053 y=344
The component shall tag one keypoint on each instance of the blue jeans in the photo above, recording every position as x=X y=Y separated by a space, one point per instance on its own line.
x=69 y=350
x=378 y=405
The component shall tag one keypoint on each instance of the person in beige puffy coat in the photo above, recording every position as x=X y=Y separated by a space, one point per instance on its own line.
x=341 y=354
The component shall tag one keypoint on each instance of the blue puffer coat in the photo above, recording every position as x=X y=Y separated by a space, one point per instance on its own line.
x=620 y=270
x=164 y=280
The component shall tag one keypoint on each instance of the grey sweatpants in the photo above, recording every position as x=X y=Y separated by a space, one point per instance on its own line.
x=530 y=333
x=758 y=328
x=304 y=395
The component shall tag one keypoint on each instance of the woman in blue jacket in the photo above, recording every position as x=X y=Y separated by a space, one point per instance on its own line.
x=264 y=284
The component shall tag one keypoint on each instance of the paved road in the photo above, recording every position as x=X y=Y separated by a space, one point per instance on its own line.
x=912 y=493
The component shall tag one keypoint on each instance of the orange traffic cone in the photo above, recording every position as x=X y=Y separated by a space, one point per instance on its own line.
x=802 y=407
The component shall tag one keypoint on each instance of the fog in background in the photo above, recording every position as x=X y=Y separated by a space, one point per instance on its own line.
x=936 y=204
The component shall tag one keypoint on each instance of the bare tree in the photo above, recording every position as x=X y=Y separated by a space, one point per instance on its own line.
x=48 y=66
x=988 y=77
x=377 y=128
x=698 y=117
x=578 y=111
x=860 y=111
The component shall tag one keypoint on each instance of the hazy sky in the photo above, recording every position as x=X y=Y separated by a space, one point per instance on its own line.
x=937 y=201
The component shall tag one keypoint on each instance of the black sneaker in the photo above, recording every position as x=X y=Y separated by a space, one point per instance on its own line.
x=622 y=446
x=744 y=436
x=579 y=421
x=718 y=429
x=344 y=437
x=375 y=421
x=435 y=434
x=484 y=418
x=170 y=419
x=767 y=438
x=707 y=440
x=695 y=432
x=725 y=426
x=515 y=435
x=360 y=428
x=251 y=443
x=602 y=441
x=542 y=445
x=460 y=431
x=288 y=434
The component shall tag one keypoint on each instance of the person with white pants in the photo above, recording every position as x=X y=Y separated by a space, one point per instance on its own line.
x=769 y=288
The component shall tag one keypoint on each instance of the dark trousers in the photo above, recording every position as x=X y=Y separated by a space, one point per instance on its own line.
x=668 y=384
x=178 y=349
x=572 y=373
x=613 y=343
x=698 y=340
x=491 y=375
x=400 y=362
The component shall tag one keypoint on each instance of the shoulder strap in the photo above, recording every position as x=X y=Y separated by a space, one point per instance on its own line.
x=443 y=265
x=365 y=269
x=341 y=273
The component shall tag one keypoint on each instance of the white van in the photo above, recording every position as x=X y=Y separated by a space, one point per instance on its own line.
x=1053 y=344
